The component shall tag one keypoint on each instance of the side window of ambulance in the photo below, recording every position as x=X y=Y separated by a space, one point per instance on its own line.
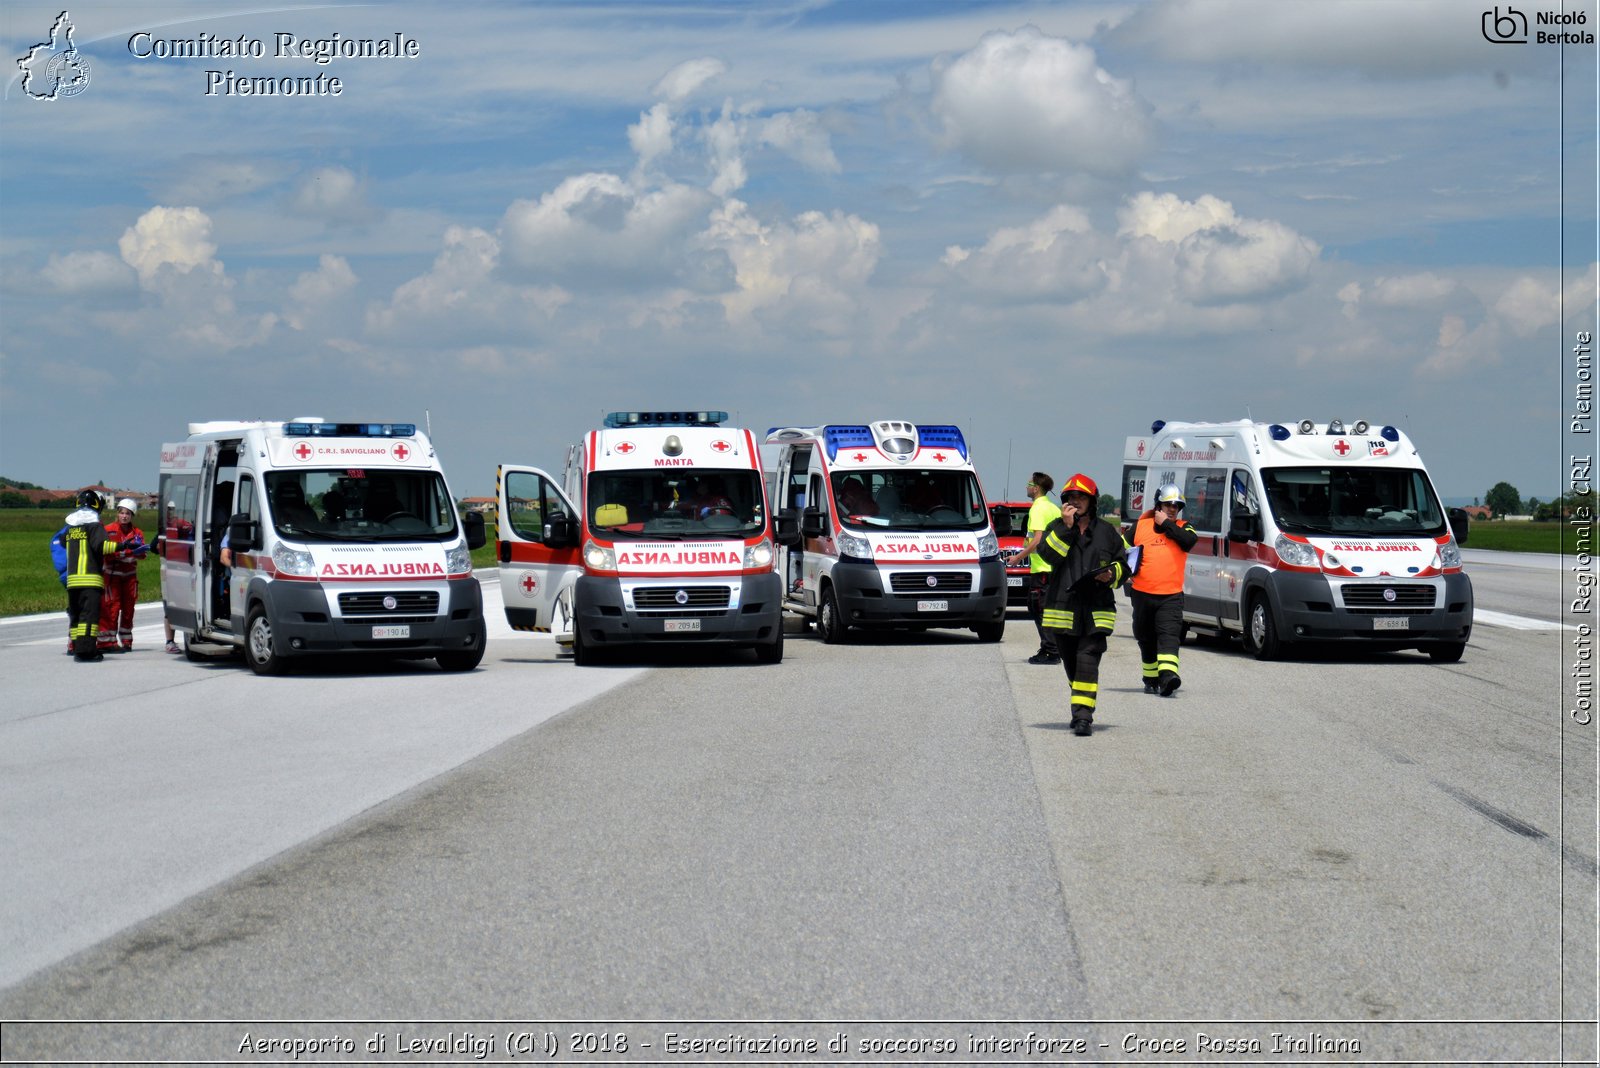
x=1205 y=493
x=1242 y=493
x=795 y=492
x=1133 y=502
x=531 y=502
x=247 y=498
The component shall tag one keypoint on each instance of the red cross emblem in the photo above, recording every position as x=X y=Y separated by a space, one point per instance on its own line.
x=303 y=451
x=860 y=457
x=1341 y=446
x=625 y=447
x=528 y=582
x=1140 y=450
x=720 y=445
x=939 y=456
x=400 y=452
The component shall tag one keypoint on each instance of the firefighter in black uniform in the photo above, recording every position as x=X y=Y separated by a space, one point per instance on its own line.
x=1088 y=560
x=87 y=543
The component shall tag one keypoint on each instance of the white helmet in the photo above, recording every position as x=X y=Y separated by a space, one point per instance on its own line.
x=1169 y=494
x=127 y=502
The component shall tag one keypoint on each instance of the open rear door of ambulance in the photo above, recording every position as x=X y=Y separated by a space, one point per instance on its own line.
x=183 y=570
x=539 y=544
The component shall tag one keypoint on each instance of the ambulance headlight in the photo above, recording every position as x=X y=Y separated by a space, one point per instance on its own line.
x=988 y=545
x=1295 y=553
x=758 y=557
x=1450 y=554
x=293 y=561
x=854 y=545
x=597 y=557
x=458 y=561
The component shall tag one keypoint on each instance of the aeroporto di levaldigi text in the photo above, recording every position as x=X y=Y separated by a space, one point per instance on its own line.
x=318 y=50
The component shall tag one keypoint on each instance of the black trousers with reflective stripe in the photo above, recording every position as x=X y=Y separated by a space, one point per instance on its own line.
x=1038 y=585
x=83 y=618
x=1080 y=656
x=1158 y=625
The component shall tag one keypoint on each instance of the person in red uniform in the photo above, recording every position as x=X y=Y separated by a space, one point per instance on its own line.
x=121 y=572
x=1165 y=540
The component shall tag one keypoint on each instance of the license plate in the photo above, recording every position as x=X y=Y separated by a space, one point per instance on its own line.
x=933 y=606
x=1391 y=623
x=1013 y=580
x=402 y=630
x=679 y=626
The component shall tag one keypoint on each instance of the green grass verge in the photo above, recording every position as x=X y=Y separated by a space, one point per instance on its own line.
x=1516 y=537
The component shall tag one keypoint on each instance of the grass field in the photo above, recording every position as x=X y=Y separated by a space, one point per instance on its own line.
x=1520 y=537
x=28 y=583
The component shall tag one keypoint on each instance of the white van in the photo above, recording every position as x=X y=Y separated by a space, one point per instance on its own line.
x=1308 y=532
x=658 y=531
x=894 y=530
x=344 y=538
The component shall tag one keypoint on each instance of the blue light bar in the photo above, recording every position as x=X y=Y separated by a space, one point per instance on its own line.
x=1279 y=432
x=942 y=437
x=847 y=437
x=350 y=430
x=1389 y=433
x=620 y=420
x=1155 y=427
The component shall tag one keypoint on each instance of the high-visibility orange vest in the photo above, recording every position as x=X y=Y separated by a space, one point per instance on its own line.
x=1161 y=565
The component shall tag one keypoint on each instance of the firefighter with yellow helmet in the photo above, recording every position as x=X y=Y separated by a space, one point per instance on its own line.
x=1164 y=541
x=1088 y=560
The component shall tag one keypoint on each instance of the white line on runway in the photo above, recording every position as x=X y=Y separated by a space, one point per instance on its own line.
x=1503 y=619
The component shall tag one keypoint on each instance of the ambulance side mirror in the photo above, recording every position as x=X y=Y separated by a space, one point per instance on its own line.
x=243 y=532
x=1000 y=516
x=472 y=522
x=786 y=527
x=1244 y=526
x=1460 y=521
x=560 y=532
x=813 y=524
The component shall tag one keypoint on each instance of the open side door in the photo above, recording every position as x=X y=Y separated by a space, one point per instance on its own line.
x=183 y=562
x=539 y=546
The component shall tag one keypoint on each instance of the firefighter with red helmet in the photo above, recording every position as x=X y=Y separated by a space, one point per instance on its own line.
x=1088 y=560
x=121 y=572
x=1164 y=539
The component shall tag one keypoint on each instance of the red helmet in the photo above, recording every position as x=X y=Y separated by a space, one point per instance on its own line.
x=1081 y=483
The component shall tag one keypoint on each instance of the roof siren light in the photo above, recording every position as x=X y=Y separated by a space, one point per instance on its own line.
x=1279 y=432
x=1389 y=433
x=1361 y=427
x=1307 y=427
x=672 y=446
x=1336 y=426
x=1155 y=427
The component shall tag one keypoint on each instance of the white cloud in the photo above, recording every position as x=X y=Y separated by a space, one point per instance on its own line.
x=1220 y=257
x=1412 y=290
x=1057 y=256
x=651 y=137
x=179 y=238
x=679 y=83
x=335 y=196
x=800 y=134
x=89 y=272
x=314 y=290
x=1025 y=101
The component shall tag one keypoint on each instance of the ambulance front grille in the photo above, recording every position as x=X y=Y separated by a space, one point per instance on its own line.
x=698 y=600
x=917 y=584
x=411 y=602
x=1367 y=599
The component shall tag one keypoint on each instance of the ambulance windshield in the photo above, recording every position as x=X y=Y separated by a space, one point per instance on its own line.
x=678 y=503
x=1353 y=501
x=909 y=499
x=360 y=504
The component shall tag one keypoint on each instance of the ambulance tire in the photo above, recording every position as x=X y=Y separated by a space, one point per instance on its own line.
x=831 y=627
x=990 y=632
x=772 y=652
x=258 y=651
x=1446 y=652
x=462 y=659
x=584 y=654
x=1261 y=629
x=190 y=652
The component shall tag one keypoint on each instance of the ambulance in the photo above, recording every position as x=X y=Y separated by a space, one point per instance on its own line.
x=658 y=531
x=1309 y=532
x=894 y=530
x=344 y=538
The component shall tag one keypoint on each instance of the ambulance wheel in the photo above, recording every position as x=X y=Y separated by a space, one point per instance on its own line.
x=1446 y=652
x=1261 y=629
x=772 y=652
x=462 y=659
x=258 y=652
x=831 y=627
x=190 y=653
x=584 y=654
x=990 y=632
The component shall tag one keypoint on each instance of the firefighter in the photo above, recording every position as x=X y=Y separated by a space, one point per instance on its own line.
x=122 y=581
x=1164 y=541
x=1088 y=559
x=87 y=542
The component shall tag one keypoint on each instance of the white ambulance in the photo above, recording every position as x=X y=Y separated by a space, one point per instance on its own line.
x=344 y=538
x=1308 y=532
x=658 y=531
x=894 y=531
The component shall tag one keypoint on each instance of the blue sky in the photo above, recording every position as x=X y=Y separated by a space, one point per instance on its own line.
x=1049 y=223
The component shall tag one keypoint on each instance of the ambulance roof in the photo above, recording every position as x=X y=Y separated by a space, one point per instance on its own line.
x=1271 y=443
x=650 y=446
x=884 y=443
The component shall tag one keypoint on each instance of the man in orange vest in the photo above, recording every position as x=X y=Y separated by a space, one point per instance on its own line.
x=1164 y=540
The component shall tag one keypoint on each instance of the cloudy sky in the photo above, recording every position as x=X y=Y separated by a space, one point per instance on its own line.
x=1049 y=223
